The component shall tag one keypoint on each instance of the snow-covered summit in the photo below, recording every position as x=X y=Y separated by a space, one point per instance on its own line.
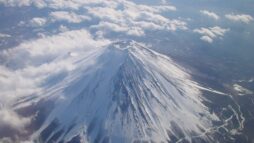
x=125 y=92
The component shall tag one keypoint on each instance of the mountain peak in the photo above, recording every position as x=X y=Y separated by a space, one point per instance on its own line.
x=124 y=44
x=138 y=95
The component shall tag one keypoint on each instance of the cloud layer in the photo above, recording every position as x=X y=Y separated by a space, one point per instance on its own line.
x=119 y=16
x=134 y=19
x=32 y=61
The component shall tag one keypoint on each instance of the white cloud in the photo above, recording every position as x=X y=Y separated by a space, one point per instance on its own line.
x=240 y=17
x=207 y=39
x=205 y=31
x=40 y=3
x=16 y=3
x=218 y=30
x=165 y=8
x=13 y=124
x=210 y=14
x=38 y=22
x=2 y=35
x=211 y=33
x=10 y=119
x=111 y=27
x=136 y=31
x=63 y=28
x=22 y=23
x=34 y=22
x=21 y=3
x=241 y=90
x=164 y=2
x=70 y=17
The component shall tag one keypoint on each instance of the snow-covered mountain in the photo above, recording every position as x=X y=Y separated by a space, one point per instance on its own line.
x=123 y=92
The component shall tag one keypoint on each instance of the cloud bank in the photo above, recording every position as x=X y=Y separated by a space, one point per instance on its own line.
x=120 y=16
